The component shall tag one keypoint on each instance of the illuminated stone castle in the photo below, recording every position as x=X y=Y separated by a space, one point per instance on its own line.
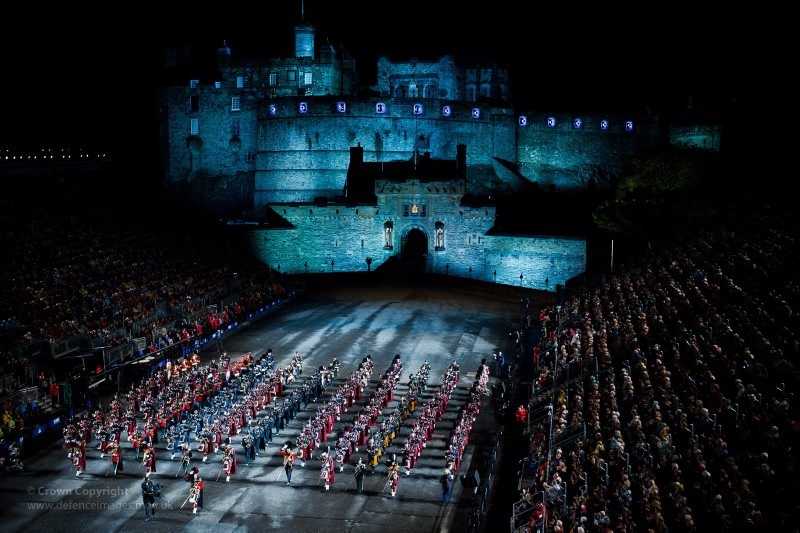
x=344 y=169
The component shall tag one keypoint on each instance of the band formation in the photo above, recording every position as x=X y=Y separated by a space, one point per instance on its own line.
x=201 y=414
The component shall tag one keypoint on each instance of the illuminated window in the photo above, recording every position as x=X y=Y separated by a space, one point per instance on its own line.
x=193 y=84
x=218 y=85
x=439 y=237
x=194 y=127
x=380 y=107
x=522 y=121
x=308 y=78
x=236 y=103
x=551 y=122
x=239 y=82
x=273 y=79
x=388 y=235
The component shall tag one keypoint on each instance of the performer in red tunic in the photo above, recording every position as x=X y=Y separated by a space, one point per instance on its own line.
x=328 y=470
x=229 y=462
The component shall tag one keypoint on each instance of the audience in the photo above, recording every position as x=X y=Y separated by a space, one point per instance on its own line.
x=684 y=392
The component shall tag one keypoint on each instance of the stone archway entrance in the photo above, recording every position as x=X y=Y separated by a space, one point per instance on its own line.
x=414 y=250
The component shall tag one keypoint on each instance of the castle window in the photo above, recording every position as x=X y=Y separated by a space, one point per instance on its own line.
x=486 y=90
x=218 y=85
x=273 y=79
x=194 y=127
x=291 y=75
x=236 y=103
x=251 y=157
x=308 y=78
x=471 y=93
x=235 y=128
x=194 y=103
x=239 y=82
x=388 y=235
x=193 y=84
x=439 y=237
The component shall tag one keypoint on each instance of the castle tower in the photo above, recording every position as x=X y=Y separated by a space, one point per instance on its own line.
x=304 y=41
x=223 y=57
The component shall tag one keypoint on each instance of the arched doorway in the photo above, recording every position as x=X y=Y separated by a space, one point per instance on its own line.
x=414 y=249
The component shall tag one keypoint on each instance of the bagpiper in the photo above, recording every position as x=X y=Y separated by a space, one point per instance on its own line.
x=229 y=462
x=328 y=470
x=79 y=456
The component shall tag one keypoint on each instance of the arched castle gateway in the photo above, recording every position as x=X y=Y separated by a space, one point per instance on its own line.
x=344 y=169
x=414 y=211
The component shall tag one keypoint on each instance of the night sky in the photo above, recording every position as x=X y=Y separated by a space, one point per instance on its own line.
x=90 y=75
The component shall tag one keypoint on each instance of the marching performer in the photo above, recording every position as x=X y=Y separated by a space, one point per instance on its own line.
x=229 y=462
x=328 y=470
x=116 y=457
x=289 y=458
x=372 y=455
x=79 y=457
x=393 y=476
x=205 y=446
x=149 y=460
x=197 y=494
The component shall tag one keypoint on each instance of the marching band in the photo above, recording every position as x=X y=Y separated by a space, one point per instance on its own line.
x=224 y=400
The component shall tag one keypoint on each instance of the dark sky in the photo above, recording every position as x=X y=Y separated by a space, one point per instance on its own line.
x=89 y=73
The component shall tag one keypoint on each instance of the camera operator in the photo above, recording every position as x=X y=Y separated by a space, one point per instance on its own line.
x=148 y=498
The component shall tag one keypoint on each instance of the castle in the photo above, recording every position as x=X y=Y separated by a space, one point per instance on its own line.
x=354 y=175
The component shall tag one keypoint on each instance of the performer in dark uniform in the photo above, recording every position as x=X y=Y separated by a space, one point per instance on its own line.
x=148 y=498
x=359 y=475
